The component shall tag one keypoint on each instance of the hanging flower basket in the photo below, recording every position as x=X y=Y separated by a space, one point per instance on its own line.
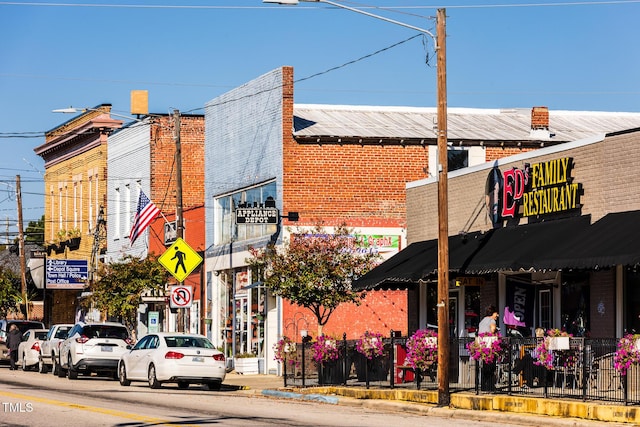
x=558 y=343
x=555 y=349
x=73 y=243
x=422 y=350
x=325 y=350
x=488 y=347
x=626 y=355
x=370 y=345
x=286 y=352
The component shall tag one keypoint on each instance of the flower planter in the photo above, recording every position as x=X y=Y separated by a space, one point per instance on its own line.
x=374 y=370
x=74 y=243
x=247 y=365
x=558 y=343
x=331 y=373
x=59 y=248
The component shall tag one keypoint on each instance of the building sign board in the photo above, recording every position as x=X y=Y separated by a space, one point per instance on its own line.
x=257 y=216
x=537 y=190
x=66 y=273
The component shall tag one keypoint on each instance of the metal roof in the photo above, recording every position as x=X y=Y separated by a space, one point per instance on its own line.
x=463 y=124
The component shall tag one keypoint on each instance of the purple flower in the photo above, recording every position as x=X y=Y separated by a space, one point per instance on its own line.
x=422 y=349
x=370 y=345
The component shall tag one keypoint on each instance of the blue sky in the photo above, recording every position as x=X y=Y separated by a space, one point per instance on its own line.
x=500 y=54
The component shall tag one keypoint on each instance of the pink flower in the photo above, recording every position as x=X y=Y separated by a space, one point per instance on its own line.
x=370 y=345
x=422 y=349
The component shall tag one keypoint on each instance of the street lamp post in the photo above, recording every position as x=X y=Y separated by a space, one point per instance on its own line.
x=439 y=41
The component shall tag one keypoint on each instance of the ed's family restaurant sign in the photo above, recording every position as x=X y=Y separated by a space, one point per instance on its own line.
x=534 y=191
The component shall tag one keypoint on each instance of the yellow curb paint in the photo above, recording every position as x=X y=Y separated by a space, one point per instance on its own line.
x=115 y=413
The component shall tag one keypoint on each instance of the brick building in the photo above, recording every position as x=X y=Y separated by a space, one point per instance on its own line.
x=334 y=164
x=75 y=184
x=142 y=158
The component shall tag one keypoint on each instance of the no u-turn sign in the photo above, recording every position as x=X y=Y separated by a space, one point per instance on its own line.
x=181 y=297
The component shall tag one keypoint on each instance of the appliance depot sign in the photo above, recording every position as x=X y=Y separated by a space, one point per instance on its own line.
x=537 y=190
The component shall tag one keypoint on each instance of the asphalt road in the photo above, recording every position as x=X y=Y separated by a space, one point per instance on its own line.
x=37 y=400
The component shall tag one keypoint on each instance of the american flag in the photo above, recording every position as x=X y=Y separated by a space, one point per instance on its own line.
x=146 y=212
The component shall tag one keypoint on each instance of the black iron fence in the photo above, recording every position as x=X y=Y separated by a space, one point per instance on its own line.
x=583 y=371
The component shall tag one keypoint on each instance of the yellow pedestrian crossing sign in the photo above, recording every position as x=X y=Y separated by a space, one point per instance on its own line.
x=180 y=259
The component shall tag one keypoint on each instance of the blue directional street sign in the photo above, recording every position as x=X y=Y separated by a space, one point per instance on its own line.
x=67 y=273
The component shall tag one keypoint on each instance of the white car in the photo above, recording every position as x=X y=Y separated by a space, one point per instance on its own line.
x=50 y=347
x=173 y=357
x=93 y=348
x=29 y=348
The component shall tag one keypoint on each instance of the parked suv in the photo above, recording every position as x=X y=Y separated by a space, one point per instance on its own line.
x=23 y=325
x=93 y=347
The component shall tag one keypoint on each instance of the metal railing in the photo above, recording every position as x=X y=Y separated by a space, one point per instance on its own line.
x=585 y=371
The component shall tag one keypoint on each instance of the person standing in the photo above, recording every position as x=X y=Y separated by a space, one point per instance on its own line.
x=489 y=322
x=488 y=325
x=14 y=337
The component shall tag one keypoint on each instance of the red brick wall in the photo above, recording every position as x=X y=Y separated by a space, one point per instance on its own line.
x=193 y=235
x=163 y=175
x=380 y=311
x=163 y=185
x=495 y=153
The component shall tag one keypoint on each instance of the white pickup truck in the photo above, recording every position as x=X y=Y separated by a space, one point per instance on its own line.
x=49 y=348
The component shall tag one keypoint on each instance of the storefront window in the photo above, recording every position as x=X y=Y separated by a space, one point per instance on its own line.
x=575 y=303
x=471 y=309
x=226 y=229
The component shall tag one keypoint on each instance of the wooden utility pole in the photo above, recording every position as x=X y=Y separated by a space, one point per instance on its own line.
x=23 y=264
x=179 y=221
x=444 y=397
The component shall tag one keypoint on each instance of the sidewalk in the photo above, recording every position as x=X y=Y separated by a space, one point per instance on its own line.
x=517 y=409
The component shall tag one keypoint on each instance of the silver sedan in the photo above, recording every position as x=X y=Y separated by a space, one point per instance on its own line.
x=173 y=357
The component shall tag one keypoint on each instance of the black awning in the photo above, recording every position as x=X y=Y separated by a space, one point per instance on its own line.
x=523 y=248
x=612 y=240
x=405 y=267
x=528 y=247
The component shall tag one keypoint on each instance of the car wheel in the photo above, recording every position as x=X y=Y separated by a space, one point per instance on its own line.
x=72 y=374
x=214 y=385
x=42 y=368
x=182 y=385
x=61 y=372
x=122 y=375
x=55 y=369
x=24 y=363
x=153 y=379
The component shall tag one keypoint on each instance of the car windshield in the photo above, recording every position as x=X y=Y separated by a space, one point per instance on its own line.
x=42 y=335
x=105 y=331
x=182 y=341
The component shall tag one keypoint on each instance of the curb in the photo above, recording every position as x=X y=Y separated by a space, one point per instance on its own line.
x=426 y=408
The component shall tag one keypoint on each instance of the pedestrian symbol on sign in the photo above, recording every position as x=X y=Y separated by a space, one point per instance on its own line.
x=180 y=259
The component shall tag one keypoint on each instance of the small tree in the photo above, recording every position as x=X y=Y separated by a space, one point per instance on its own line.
x=315 y=269
x=119 y=290
x=9 y=291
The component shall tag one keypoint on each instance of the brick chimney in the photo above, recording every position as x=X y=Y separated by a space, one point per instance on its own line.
x=540 y=123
